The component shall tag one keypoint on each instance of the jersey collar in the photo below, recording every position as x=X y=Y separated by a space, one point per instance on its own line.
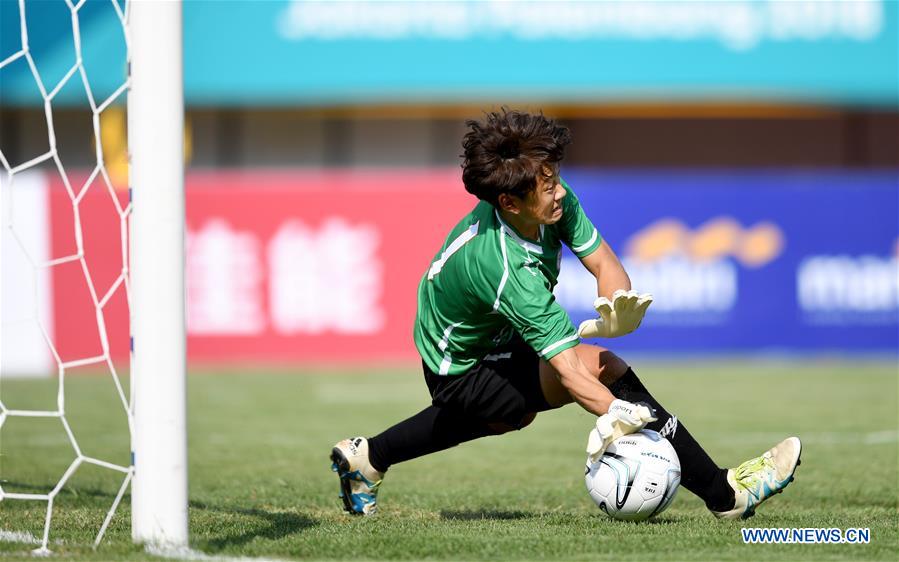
x=529 y=245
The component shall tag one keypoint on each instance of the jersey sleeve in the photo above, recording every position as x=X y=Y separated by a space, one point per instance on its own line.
x=533 y=311
x=575 y=229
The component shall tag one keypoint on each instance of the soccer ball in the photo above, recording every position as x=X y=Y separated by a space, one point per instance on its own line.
x=636 y=478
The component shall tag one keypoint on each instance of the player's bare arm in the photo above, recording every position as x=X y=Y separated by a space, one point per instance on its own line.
x=580 y=384
x=602 y=364
x=605 y=266
x=619 y=308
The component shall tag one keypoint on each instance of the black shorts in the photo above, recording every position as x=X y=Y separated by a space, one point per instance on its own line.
x=503 y=387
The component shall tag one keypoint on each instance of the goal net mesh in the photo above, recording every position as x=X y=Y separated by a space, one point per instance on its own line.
x=91 y=182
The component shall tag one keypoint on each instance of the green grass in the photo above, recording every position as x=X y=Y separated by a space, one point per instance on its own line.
x=260 y=484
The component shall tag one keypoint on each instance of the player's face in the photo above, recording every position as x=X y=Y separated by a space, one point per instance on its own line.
x=544 y=204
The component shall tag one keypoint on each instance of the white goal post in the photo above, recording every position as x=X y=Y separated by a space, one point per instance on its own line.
x=158 y=360
x=151 y=229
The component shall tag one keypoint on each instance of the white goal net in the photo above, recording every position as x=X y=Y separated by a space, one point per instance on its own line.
x=33 y=266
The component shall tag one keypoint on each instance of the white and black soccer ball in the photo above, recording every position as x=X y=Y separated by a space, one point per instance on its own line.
x=636 y=478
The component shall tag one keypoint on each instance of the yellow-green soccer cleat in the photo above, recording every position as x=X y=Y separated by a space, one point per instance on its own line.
x=758 y=479
x=359 y=481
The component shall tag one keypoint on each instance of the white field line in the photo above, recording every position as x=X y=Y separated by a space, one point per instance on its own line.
x=346 y=393
x=18 y=536
x=182 y=553
x=880 y=437
x=185 y=553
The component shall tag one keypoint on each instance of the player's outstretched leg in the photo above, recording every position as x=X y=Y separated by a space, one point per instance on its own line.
x=359 y=480
x=727 y=494
x=361 y=463
x=758 y=479
x=699 y=473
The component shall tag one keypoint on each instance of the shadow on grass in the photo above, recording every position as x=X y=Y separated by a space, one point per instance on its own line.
x=484 y=514
x=275 y=525
x=663 y=521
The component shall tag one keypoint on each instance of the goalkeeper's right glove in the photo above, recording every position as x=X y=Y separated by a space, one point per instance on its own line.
x=622 y=418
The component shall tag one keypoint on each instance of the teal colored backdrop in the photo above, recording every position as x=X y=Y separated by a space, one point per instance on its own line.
x=294 y=53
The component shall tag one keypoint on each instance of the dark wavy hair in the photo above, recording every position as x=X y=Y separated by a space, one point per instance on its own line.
x=508 y=150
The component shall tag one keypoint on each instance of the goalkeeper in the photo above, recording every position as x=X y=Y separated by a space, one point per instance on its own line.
x=497 y=348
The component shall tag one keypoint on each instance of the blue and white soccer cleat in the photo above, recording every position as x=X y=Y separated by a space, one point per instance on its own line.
x=758 y=479
x=359 y=481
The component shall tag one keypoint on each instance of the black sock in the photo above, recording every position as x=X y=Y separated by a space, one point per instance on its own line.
x=431 y=430
x=699 y=473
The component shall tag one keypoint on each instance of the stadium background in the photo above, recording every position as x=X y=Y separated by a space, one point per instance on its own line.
x=741 y=157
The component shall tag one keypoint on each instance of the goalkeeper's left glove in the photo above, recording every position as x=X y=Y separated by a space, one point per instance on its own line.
x=618 y=317
x=622 y=418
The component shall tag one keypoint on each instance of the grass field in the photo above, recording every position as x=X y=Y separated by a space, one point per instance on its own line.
x=260 y=484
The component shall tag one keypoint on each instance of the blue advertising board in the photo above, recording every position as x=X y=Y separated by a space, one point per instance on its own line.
x=742 y=261
x=300 y=52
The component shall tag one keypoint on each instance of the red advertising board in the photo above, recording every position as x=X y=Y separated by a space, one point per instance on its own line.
x=282 y=266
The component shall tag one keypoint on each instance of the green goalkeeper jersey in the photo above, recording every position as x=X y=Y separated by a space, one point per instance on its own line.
x=488 y=282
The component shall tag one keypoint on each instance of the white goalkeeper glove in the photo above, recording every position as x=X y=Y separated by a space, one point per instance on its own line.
x=622 y=418
x=618 y=317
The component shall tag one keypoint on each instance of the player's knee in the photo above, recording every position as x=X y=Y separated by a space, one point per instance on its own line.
x=605 y=365
x=527 y=420
x=498 y=428
x=611 y=367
